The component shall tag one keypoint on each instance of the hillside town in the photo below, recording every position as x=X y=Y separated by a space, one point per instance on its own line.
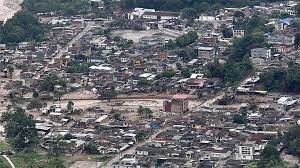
x=143 y=84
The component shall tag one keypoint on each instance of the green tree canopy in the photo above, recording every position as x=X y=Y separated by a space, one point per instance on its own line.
x=166 y=74
x=291 y=140
x=287 y=80
x=145 y=112
x=270 y=157
x=20 y=128
x=21 y=27
x=67 y=7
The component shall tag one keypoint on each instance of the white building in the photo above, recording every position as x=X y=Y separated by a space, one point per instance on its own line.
x=286 y=101
x=238 y=33
x=248 y=151
x=206 y=52
x=260 y=53
x=161 y=15
x=138 y=12
x=207 y=18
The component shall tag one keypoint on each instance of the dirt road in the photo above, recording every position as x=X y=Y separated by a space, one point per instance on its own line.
x=9 y=161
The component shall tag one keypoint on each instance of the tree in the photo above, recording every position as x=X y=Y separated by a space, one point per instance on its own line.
x=79 y=68
x=295 y=24
x=187 y=54
x=226 y=32
x=186 y=39
x=117 y=116
x=141 y=136
x=144 y=112
x=282 y=79
x=110 y=94
x=128 y=4
x=91 y=148
x=185 y=72
x=239 y=14
x=189 y=13
x=22 y=26
x=20 y=128
x=35 y=94
x=56 y=162
x=49 y=82
x=68 y=136
x=144 y=82
x=35 y=104
x=291 y=140
x=171 y=45
x=231 y=72
x=117 y=38
x=273 y=80
x=270 y=157
x=297 y=9
x=297 y=40
x=70 y=106
x=166 y=74
x=251 y=165
x=65 y=7
x=292 y=82
x=240 y=119
x=10 y=70
x=57 y=146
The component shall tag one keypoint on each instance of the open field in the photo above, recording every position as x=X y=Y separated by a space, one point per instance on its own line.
x=4 y=146
x=121 y=104
x=136 y=35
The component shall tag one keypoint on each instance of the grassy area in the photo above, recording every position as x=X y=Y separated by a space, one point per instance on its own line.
x=69 y=160
x=36 y=160
x=33 y=159
x=4 y=146
x=4 y=163
x=100 y=158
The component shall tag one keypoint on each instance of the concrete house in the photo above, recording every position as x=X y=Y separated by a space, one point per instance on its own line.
x=138 y=12
x=259 y=55
x=161 y=15
x=206 y=52
x=238 y=33
x=178 y=103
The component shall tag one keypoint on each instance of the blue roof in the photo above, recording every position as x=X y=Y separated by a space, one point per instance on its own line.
x=286 y=21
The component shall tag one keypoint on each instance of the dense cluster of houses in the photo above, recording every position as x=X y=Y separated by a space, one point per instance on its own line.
x=210 y=138
x=101 y=62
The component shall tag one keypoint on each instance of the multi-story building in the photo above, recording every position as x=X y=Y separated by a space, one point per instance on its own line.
x=238 y=33
x=249 y=150
x=206 y=52
x=260 y=53
x=178 y=103
x=161 y=15
x=138 y=12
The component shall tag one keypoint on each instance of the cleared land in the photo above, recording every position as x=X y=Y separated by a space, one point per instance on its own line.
x=136 y=35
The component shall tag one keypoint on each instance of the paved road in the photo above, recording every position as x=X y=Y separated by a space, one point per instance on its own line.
x=9 y=161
